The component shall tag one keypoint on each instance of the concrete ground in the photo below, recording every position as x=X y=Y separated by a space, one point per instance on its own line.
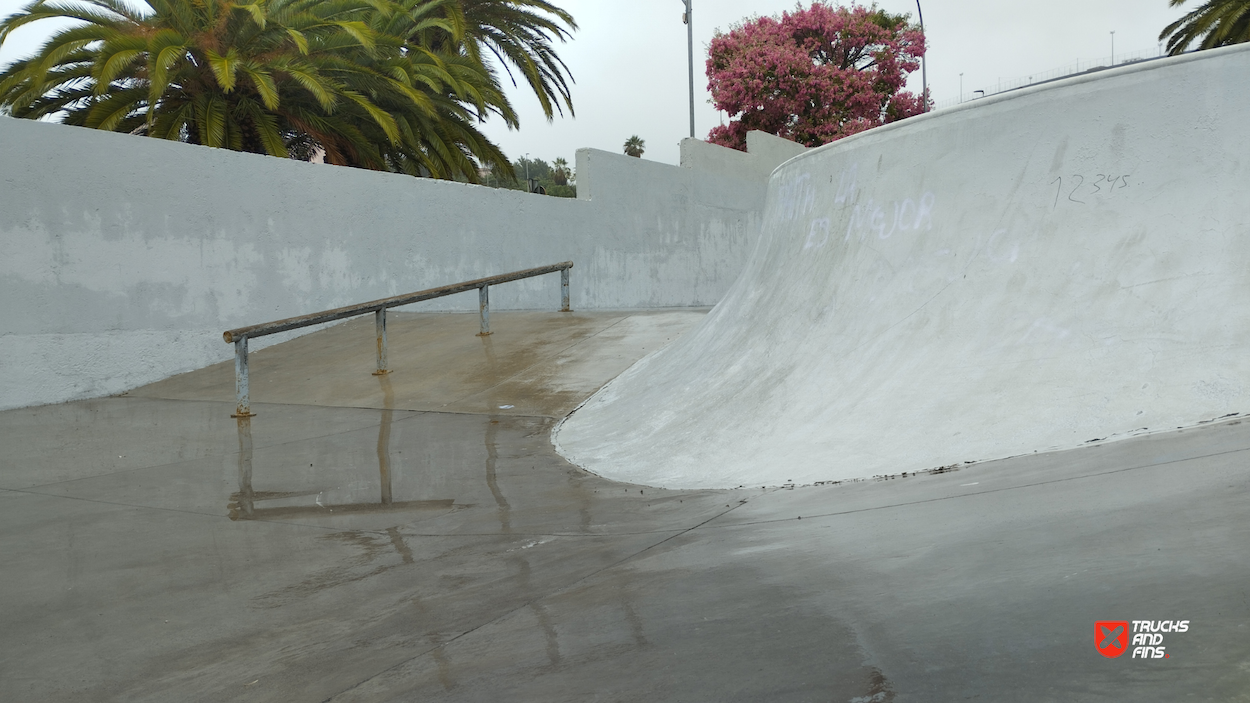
x=415 y=537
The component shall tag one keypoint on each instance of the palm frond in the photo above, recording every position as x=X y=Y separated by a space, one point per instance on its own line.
x=1214 y=23
x=398 y=85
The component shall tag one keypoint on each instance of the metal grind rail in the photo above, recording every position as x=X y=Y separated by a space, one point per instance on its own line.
x=238 y=337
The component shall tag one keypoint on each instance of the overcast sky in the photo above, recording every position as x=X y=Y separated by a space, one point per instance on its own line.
x=629 y=60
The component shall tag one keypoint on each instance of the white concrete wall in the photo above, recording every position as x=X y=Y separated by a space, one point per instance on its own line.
x=122 y=259
x=764 y=153
x=1027 y=272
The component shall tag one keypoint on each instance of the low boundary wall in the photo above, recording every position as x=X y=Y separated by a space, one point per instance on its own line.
x=123 y=258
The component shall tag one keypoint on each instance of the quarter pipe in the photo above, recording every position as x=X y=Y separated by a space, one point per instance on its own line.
x=1034 y=271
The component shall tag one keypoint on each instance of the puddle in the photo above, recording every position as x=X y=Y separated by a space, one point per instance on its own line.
x=348 y=497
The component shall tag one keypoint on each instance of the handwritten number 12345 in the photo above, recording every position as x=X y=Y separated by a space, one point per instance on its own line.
x=1079 y=188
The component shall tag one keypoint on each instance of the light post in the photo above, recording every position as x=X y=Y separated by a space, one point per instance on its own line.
x=688 y=18
x=961 y=88
x=924 y=64
x=1113 y=48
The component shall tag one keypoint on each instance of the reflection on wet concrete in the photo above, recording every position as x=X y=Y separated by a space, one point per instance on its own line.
x=467 y=602
x=492 y=478
x=405 y=553
x=492 y=364
x=661 y=631
x=442 y=664
x=437 y=651
x=631 y=616
x=238 y=508
x=410 y=462
x=500 y=548
x=373 y=560
x=384 y=437
x=492 y=451
x=583 y=495
x=524 y=585
x=531 y=556
x=243 y=504
x=549 y=633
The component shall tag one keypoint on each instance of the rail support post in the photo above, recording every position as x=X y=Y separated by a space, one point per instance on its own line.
x=241 y=395
x=483 y=299
x=379 y=325
x=564 y=290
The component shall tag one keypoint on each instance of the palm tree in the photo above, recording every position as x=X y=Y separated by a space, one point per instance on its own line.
x=519 y=34
x=560 y=172
x=282 y=77
x=1214 y=23
x=634 y=146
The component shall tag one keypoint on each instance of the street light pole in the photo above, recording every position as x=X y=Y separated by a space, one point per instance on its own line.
x=1113 y=48
x=924 y=63
x=961 y=88
x=688 y=18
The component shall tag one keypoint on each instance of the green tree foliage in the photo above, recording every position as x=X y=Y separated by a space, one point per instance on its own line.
x=531 y=168
x=380 y=84
x=544 y=175
x=1214 y=23
x=519 y=33
x=635 y=146
x=560 y=172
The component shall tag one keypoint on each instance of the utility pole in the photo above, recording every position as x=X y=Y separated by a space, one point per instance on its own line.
x=924 y=63
x=688 y=18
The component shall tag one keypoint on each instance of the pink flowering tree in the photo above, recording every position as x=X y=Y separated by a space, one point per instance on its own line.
x=814 y=75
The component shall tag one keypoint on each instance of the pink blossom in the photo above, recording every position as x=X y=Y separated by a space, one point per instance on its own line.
x=814 y=75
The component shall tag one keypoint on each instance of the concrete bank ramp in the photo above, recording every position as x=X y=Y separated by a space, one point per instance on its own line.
x=1028 y=272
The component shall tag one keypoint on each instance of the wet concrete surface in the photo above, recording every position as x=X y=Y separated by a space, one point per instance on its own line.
x=532 y=363
x=157 y=550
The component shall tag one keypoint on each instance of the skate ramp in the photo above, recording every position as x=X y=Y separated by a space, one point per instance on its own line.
x=1056 y=266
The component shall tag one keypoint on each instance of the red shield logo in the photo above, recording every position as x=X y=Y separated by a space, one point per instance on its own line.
x=1111 y=637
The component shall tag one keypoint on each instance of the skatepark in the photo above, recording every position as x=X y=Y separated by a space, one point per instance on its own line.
x=899 y=420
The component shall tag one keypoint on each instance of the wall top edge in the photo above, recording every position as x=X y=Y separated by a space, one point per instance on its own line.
x=1119 y=72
